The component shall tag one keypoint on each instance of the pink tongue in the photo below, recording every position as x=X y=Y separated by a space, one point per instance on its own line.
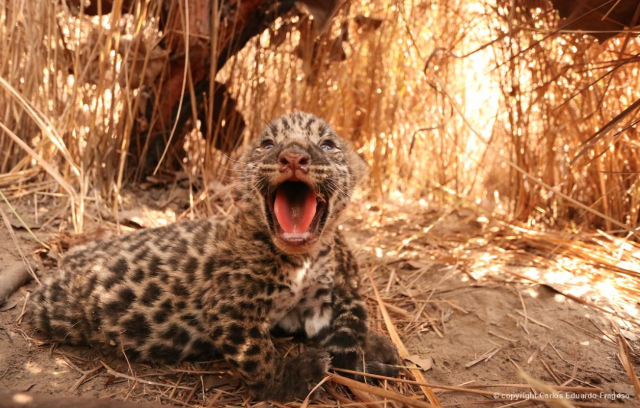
x=294 y=215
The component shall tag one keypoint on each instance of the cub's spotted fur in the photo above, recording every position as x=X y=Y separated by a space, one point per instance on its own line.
x=220 y=286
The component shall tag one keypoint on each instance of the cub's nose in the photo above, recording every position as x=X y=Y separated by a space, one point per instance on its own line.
x=295 y=159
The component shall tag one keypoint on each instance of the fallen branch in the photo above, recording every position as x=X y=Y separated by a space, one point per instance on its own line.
x=11 y=279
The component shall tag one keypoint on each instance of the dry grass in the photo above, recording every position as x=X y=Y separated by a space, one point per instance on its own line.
x=492 y=106
x=473 y=108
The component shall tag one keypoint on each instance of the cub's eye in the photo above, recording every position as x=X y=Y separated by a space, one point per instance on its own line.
x=267 y=144
x=327 y=145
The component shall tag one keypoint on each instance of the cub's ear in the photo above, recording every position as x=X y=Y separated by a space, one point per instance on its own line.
x=357 y=164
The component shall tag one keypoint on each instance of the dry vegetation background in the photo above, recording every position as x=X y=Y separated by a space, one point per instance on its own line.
x=448 y=100
x=501 y=107
x=500 y=139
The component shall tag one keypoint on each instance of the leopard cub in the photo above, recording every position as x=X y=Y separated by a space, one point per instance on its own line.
x=219 y=286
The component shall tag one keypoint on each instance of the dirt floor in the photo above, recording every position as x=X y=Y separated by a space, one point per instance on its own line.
x=469 y=313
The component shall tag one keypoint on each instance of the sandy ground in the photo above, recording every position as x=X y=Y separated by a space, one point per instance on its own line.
x=459 y=327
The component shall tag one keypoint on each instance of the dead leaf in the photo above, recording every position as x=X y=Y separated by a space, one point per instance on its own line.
x=425 y=363
x=629 y=335
x=8 y=306
x=217 y=381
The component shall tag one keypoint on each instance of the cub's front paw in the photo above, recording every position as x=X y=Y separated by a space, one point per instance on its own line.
x=301 y=374
x=381 y=355
x=380 y=349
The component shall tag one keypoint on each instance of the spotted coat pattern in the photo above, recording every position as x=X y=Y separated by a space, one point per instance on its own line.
x=218 y=287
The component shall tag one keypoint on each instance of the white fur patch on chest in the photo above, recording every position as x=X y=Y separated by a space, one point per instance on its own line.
x=300 y=280
x=317 y=322
x=290 y=311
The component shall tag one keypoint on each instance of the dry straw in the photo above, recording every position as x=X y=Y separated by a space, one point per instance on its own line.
x=497 y=105
x=457 y=103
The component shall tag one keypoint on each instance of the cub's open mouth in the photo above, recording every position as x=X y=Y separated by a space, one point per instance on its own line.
x=297 y=213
